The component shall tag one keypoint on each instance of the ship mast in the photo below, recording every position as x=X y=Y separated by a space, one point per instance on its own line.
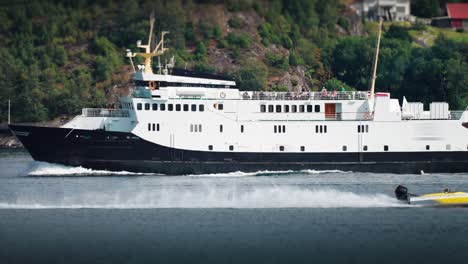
x=148 y=54
x=374 y=67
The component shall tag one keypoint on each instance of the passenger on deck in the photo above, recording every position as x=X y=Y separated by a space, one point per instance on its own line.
x=324 y=92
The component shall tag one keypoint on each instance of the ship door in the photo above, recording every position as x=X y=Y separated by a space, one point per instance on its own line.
x=360 y=144
x=330 y=110
x=151 y=85
x=171 y=146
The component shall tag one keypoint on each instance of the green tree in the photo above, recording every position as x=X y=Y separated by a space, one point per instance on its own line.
x=351 y=61
x=398 y=32
x=394 y=59
x=425 y=8
x=236 y=22
x=103 y=69
x=200 y=51
x=276 y=60
x=60 y=56
x=217 y=32
x=240 y=40
x=252 y=75
x=337 y=85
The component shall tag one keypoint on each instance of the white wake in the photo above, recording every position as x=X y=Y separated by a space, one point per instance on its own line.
x=51 y=169
x=213 y=197
x=267 y=173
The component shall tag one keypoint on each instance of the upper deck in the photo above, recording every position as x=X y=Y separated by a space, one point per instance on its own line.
x=324 y=95
x=204 y=87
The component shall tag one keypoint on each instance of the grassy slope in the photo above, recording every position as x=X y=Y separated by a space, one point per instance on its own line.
x=426 y=36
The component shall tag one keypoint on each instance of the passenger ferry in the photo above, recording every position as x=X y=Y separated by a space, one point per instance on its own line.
x=180 y=122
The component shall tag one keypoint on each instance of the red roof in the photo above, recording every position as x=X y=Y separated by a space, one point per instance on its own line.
x=457 y=10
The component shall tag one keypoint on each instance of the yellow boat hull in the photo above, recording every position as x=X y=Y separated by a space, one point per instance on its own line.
x=451 y=198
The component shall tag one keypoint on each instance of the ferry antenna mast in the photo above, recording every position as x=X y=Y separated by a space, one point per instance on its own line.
x=376 y=59
x=147 y=54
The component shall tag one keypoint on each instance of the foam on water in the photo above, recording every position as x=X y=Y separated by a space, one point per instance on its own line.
x=183 y=193
x=266 y=173
x=244 y=174
x=51 y=169
x=214 y=197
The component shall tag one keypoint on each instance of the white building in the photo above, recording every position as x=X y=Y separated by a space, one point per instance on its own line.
x=389 y=10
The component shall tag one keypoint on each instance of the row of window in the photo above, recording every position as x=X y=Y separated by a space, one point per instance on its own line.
x=170 y=107
x=156 y=84
x=344 y=147
x=321 y=129
x=447 y=147
x=363 y=128
x=428 y=147
x=290 y=108
x=279 y=129
x=302 y=148
x=195 y=128
x=276 y=128
x=153 y=127
x=127 y=106
x=121 y=138
x=231 y=147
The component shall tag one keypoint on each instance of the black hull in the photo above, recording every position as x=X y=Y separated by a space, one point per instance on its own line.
x=116 y=151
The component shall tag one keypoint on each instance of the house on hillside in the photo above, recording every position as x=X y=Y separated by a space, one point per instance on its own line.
x=389 y=10
x=457 y=17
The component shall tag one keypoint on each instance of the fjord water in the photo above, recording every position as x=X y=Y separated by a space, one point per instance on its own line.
x=57 y=214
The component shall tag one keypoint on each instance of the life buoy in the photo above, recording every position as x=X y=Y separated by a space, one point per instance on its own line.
x=222 y=95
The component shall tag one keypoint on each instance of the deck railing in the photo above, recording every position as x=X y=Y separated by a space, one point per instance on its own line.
x=452 y=115
x=455 y=115
x=324 y=95
x=103 y=112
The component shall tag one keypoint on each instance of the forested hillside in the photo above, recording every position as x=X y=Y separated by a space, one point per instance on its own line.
x=59 y=56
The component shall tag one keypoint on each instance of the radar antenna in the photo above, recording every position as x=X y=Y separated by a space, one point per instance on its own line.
x=148 y=54
x=171 y=63
x=130 y=55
